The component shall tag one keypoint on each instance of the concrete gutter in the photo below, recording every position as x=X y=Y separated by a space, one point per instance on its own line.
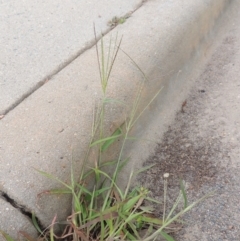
x=51 y=127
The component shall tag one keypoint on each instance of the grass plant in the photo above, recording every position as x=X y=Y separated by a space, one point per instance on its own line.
x=104 y=211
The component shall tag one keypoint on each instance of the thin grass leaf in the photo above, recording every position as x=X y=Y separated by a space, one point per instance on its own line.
x=131 y=203
x=147 y=209
x=109 y=215
x=51 y=229
x=35 y=223
x=92 y=202
x=72 y=176
x=174 y=206
x=153 y=220
x=110 y=224
x=109 y=142
x=168 y=222
x=122 y=164
x=103 y=73
x=110 y=100
x=6 y=236
x=107 y=138
x=135 y=64
x=112 y=181
x=109 y=55
x=128 y=235
x=114 y=56
x=183 y=194
x=106 y=201
x=78 y=208
x=149 y=231
x=153 y=200
x=128 y=185
x=134 y=230
x=100 y=191
x=131 y=217
x=26 y=236
x=143 y=169
x=99 y=66
x=53 y=178
x=190 y=206
x=102 y=232
x=167 y=236
x=154 y=97
x=85 y=190
x=134 y=108
x=59 y=191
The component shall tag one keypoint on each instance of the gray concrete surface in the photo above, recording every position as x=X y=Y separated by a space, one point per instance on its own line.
x=40 y=37
x=54 y=122
x=202 y=144
x=9 y=215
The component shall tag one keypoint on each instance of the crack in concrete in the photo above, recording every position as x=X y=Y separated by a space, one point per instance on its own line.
x=63 y=65
x=22 y=209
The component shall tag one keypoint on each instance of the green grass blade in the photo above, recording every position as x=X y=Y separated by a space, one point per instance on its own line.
x=167 y=236
x=168 y=222
x=51 y=229
x=72 y=176
x=183 y=194
x=110 y=100
x=114 y=136
x=114 y=56
x=129 y=236
x=6 y=236
x=91 y=206
x=100 y=191
x=131 y=217
x=35 y=223
x=174 y=207
x=135 y=64
x=102 y=232
x=122 y=164
x=103 y=78
x=144 y=169
x=131 y=203
x=153 y=200
x=148 y=219
x=59 y=191
x=53 y=178
x=85 y=190
x=128 y=185
x=154 y=97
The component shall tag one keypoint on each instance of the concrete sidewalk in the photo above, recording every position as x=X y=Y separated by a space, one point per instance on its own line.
x=38 y=39
x=43 y=130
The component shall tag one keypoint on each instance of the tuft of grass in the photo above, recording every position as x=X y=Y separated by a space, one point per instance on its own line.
x=117 y=20
x=103 y=211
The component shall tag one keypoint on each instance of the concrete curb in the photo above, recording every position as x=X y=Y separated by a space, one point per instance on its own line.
x=54 y=123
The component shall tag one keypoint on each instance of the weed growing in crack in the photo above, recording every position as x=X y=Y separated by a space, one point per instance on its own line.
x=105 y=212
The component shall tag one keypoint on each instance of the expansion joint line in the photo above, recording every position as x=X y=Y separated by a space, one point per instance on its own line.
x=22 y=209
x=65 y=63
